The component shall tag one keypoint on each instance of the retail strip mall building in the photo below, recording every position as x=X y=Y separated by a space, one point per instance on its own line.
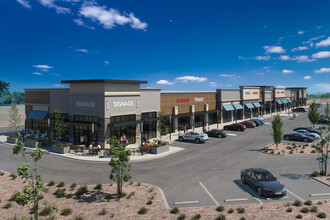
x=102 y=108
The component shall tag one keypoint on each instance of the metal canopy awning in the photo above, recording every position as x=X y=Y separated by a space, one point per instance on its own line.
x=289 y=100
x=257 y=104
x=238 y=106
x=37 y=115
x=285 y=101
x=228 y=107
x=279 y=102
x=249 y=105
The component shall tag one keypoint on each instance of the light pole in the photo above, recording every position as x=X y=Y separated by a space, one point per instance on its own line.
x=141 y=130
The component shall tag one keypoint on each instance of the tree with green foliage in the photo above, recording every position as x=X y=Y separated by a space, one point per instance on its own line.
x=162 y=124
x=119 y=163
x=59 y=128
x=34 y=185
x=14 y=118
x=323 y=158
x=4 y=87
x=277 y=125
x=313 y=114
x=327 y=110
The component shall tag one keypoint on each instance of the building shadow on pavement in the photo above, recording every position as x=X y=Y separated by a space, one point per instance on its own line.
x=294 y=176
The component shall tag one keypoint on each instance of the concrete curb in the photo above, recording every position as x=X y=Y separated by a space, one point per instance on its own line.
x=318 y=180
x=162 y=194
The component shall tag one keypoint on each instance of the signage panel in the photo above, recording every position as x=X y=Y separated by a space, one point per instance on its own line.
x=123 y=104
x=85 y=104
x=249 y=94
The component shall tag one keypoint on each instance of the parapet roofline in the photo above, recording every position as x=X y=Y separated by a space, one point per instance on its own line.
x=117 y=81
x=187 y=92
x=45 y=89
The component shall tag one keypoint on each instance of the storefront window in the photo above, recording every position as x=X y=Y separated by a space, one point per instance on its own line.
x=40 y=125
x=126 y=124
x=247 y=112
x=83 y=134
x=238 y=114
x=226 y=116
x=150 y=127
x=85 y=118
x=212 y=118
x=199 y=120
x=184 y=121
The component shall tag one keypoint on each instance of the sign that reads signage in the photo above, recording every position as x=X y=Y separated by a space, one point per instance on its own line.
x=182 y=100
x=85 y=104
x=199 y=99
x=123 y=104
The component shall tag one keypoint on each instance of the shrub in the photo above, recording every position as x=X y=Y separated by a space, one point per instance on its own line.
x=149 y=202
x=313 y=209
x=240 y=210
x=304 y=210
x=138 y=184
x=73 y=185
x=313 y=151
x=1 y=173
x=60 y=193
x=287 y=204
x=196 y=217
x=82 y=190
x=175 y=210
x=131 y=183
x=221 y=217
x=142 y=211
x=150 y=190
x=288 y=147
x=60 y=184
x=297 y=203
x=14 y=196
x=7 y=206
x=182 y=217
x=47 y=210
x=112 y=215
x=108 y=197
x=308 y=202
x=66 y=211
x=13 y=176
x=299 y=216
x=103 y=212
x=319 y=203
x=130 y=195
x=231 y=210
x=122 y=195
x=291 y=152
x=278 y=152
x=242 y=218
x=289 y=210
x=98 y=186
x=321 y=215
x=78 y=218
x=220 y=208
x=302 y=152
x=51 y=183
x=315 y=174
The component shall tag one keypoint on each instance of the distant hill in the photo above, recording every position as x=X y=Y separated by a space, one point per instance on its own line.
x=14 y=97
x=319 y=96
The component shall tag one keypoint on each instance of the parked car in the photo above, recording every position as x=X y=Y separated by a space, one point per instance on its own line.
x=196 y=136
x=296 y=136
x=300 y=109
x=248 y=124
x=256 y=122
x=235 y=127
x=261 y=121
x=263 y=182
x=319 y=105
x=217 y=133
x=305 y=132
x=308 y=129
x=323 y=120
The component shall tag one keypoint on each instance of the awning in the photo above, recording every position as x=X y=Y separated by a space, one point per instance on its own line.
x=279 y=102
x=37 y=115
x=257 y=104
x=284 y=101
x=249 y=105
x=289 y=100
x=238 y=106
x=228 y=107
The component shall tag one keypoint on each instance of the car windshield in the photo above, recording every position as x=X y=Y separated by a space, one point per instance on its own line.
x=265 y=176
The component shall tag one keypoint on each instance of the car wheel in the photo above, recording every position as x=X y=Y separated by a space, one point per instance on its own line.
x=259 y=191
x=197 y=141
x=219 y=136
x=181 y=139
x=243 y=179
x=305 y=140
x=287 y=138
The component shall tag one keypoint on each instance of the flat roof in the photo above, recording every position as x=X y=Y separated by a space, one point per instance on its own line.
x=187 y=92
x=117 y=81
x=45 y=89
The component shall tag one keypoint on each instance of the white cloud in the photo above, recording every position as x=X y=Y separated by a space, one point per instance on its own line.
x=302 y=59
x=321 y=54
x=299 y=48
x=322 y=70
x=55 y=74
x=227 y=75
x=255 y=58
x=82 y=50
x=110 y=18
x=191 y=78
x=323 y=43
x=301 y=32
x=42 y=66
x=164 y=82
x=287 y=71
x=274 y=49
x=106 y=62
x=25 y=3
x=322 y=87
x=310 y=41
x=307 y=77
x=170 y=20
x=213 y=83
x=80 y=22
x=38 y=74
x=50 y=4
x=284 y=57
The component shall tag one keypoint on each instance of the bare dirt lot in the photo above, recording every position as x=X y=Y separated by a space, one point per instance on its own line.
x=4 y=112
x=90 y=205
x=288 y=148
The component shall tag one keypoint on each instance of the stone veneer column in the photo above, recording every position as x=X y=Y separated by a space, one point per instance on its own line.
x=206 y=115
x=103 y=132
x=192 y=116
x=71 y=129
x=175 y=119
x=138 y=130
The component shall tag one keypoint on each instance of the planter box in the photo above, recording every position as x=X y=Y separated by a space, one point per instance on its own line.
x=59 y=150
x=12 y=140
x=32 y=144
x=159 y=150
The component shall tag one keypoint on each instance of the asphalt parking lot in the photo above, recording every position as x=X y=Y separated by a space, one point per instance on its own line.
x=203 y=174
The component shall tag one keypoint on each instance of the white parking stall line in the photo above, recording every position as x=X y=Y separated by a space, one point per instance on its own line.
x=248 y=191
x=210 y=195
x=320 y=194
x=232 y=134
x=285 y=197
x=187 y=202
x=236 y=200
x=267 y=123
x=295 y=195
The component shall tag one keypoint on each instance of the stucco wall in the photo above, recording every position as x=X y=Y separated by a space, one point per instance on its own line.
x=59 y=99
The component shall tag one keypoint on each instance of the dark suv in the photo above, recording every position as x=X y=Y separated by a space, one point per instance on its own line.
x=299 y=110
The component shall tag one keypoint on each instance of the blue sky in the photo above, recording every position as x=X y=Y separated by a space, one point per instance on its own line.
x=174 y=45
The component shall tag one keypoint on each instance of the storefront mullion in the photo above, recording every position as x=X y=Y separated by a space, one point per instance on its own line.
x=150 y=127
x=199 y=120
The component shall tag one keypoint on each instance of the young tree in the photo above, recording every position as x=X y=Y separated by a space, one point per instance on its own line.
x=60 y=128
x=327 y=110
x=14 y=118
x=323 y=158
x=119 y=163
x=277 y=125
x=162 y=124
x=4 y=86
x=34 y=185
x=313 y=115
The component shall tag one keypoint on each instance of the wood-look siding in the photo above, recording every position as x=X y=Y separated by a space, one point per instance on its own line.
x=40 y=97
